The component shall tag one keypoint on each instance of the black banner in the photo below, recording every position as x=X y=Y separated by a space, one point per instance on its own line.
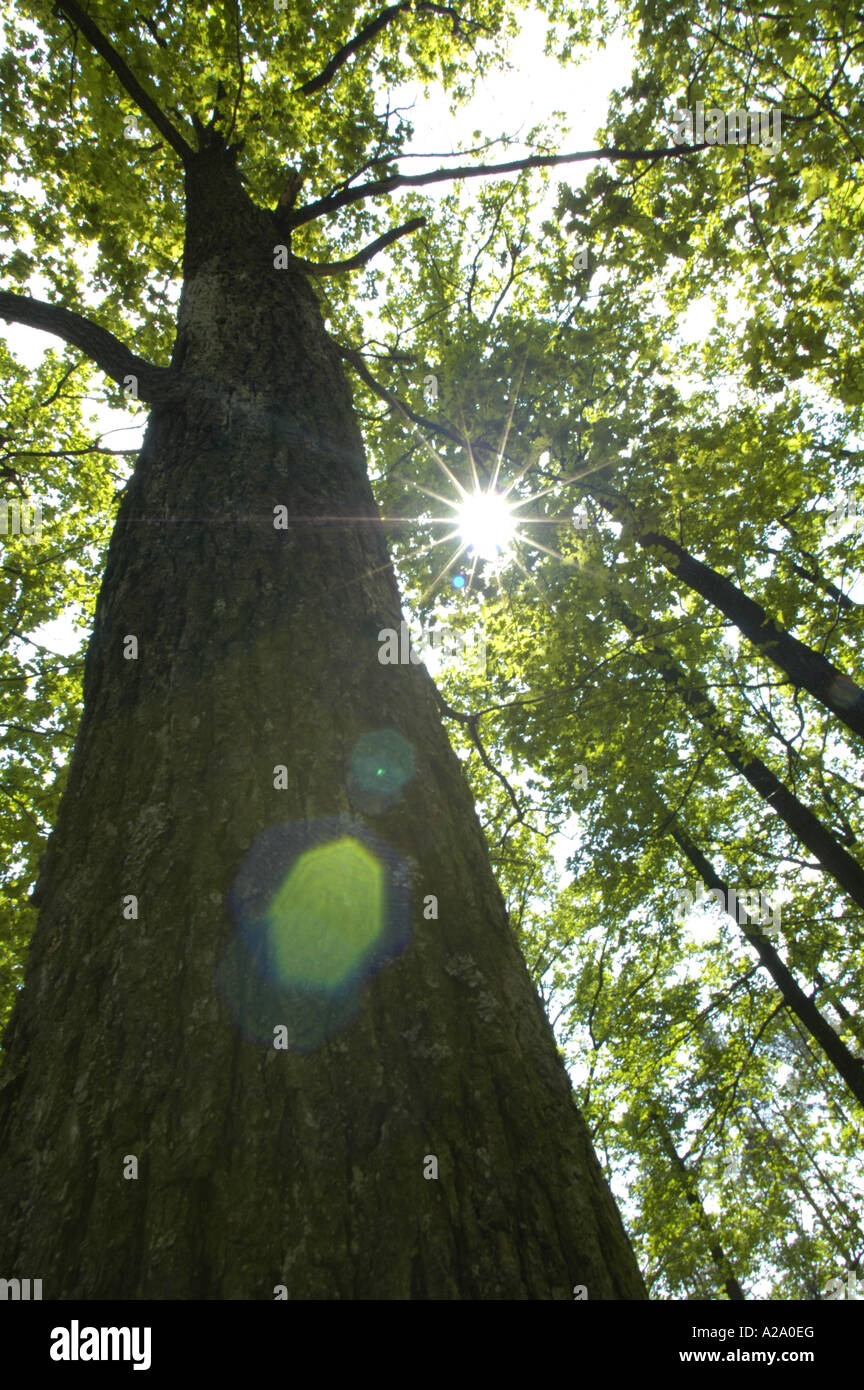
x=155 y=1339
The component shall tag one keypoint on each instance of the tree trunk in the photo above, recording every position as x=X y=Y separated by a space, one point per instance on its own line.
x=793 y=1174
x=844 y=1062
x=264 y=907
x=806 y=827
x=803 y=666
x=734 y=1291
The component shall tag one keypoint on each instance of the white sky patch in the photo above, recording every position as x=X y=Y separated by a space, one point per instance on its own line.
x=59 y=636
x=537 y=90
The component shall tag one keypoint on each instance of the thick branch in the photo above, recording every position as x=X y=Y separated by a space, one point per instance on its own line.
x=333 y=201
x=145 y=103
x=355 y=262
x=152 y=384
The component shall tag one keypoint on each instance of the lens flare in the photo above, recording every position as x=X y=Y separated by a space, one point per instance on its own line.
x=327 y=914
x=319 y=908
x=382 y=762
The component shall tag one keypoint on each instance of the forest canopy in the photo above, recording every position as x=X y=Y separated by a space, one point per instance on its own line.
x=645 y=358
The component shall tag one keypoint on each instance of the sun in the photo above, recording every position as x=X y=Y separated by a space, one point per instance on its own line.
x=486 y=516
x=486 y=524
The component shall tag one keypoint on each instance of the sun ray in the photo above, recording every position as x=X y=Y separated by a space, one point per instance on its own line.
x=442 y=540
x=470 y=452
x=531 y=580
x=562 y=482
x=506 y=434
x=486 y=515
x=434 y=454
x=517 y=480
x=438 y=498
x=472 y=574
x=415 y=553
x=529 y=540
x=440 y=575
x=559 y=482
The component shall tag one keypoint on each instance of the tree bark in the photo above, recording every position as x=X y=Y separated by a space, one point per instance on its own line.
x=304 y=1167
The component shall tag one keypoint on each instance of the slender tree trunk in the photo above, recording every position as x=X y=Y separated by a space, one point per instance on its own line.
x=806 y=827
x=804 y=667
x=847 y=1214
x=853 y=1021
x=815 y=577
x=794 y=1175
x=843 y=1061
x=734 y=1291
x=410 y=1038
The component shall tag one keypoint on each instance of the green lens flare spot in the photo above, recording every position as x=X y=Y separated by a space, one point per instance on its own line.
x=327 y=914
x=382 y=762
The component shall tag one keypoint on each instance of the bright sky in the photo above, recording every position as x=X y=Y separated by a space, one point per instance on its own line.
x=513 y=102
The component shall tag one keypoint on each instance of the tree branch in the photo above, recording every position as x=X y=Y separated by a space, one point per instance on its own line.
x=470 y=722
x=333 y=201
x=410 y=416
x=374 y=26
x=360 y=39
x=145 y=103
x=153 y=384
x=355 y=262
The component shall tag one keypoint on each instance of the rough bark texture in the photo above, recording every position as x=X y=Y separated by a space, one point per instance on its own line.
x=259 y=647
